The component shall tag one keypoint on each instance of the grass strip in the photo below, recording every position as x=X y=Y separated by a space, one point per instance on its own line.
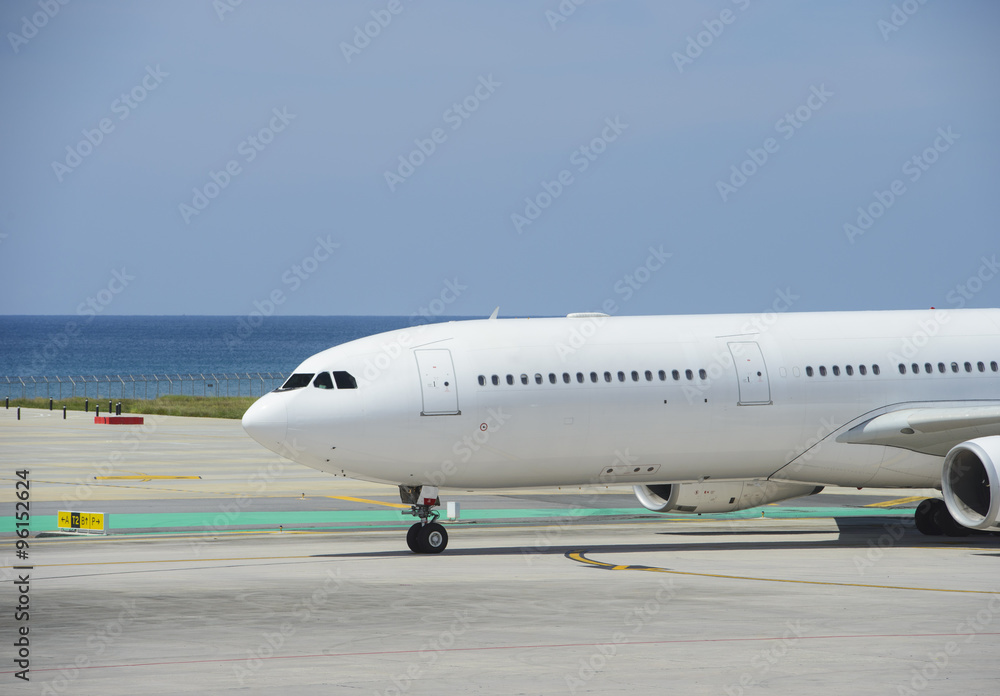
x=172 y=405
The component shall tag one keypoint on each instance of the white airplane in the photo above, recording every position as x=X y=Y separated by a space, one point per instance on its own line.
x=699 y=414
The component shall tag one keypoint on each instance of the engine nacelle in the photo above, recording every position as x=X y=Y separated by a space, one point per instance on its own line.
x=969 y=482
x=721 y=496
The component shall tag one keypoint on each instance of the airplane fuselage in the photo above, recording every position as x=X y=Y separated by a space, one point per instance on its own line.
x=634 y=400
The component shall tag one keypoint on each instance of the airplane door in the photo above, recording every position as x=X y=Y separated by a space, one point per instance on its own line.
x=751 y=373
x=437 y=382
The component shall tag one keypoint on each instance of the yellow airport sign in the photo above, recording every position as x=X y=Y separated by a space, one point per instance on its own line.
x=83 y=521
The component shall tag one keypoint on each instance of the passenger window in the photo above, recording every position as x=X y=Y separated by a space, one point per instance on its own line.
x=822 y=370
x=297 y=381
x=940 y=367
x=876 y=370
x=981 y=366
x=323 y=381
x=538 y=378
x=809 y=371
x=344 y=380
x=916 y=368
x=635 y=376
x=495 y=380
x=954 y=367
x=663 y=375
x=902 y=369
x=968 y=367
x=676 y=375
x=566 y=377
x=702 y=374
x=649 y=376
x=482 y=380
x=579 y=377
x=524 y=379
x=928 y=368
x=593 y=377
x=993 y=365
x=621 y=376
x=689 y=374
x=862 y=369
x=836 y=371
x=510 y=379
x=552 y=378
x=849 y=370
x=607 y=376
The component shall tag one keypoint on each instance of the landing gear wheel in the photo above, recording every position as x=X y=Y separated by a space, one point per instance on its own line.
x=411 y=537
x=924 y=517
x=431 y=538
x=426 y=536
x=949 y=527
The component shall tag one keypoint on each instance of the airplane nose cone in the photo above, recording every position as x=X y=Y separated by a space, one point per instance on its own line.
x=266 y=421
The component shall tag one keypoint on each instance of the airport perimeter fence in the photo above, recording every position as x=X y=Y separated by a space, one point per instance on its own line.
x=141 y=386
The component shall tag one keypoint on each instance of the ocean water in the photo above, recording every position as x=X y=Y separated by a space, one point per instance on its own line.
x=51 y=347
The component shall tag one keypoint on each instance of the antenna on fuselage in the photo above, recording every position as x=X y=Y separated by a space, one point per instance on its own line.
x=495 y=313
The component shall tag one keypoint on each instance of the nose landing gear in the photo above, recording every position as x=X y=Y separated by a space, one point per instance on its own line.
x=426 y=536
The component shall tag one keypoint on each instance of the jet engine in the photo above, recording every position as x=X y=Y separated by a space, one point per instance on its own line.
x=721 y=496
x=969 y=482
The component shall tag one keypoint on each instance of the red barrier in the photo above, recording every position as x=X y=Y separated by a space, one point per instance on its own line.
x=119 y=420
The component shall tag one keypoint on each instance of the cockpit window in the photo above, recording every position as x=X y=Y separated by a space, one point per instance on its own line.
x=344 y=380
x=297 y=381
x=323 y=381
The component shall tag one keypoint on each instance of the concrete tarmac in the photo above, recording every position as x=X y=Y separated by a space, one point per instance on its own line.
x=789 y=607
x=819 y=602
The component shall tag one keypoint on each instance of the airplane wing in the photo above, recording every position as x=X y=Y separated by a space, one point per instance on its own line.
x=927 y=430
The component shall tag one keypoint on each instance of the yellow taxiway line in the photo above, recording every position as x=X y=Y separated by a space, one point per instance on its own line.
x=143 y=477
x=366 y=500
x=897 y=501
x=580 y=557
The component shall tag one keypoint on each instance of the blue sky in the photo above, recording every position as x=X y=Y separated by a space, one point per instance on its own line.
x=383 y=157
